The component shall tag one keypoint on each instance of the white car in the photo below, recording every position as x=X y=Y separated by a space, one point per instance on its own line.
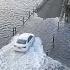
x=24 y=42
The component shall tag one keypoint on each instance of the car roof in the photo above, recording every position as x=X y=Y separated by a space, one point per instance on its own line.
x=25 y=36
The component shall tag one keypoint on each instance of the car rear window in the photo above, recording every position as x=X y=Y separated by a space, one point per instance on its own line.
x=20 y=41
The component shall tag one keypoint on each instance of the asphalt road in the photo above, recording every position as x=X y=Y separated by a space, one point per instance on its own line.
x=52 y=8
x=61 y=50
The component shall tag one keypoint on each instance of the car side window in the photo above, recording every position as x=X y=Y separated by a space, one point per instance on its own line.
x=30 y=37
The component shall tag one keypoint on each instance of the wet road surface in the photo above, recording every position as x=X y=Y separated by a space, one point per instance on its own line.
x=51 y=9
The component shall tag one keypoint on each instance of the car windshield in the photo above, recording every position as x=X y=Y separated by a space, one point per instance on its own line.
x=20 y=41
